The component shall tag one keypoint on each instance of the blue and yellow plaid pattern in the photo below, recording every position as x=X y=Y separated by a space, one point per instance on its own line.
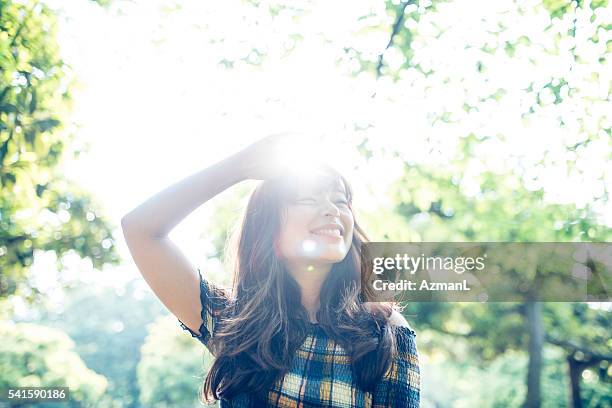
x=321 y=374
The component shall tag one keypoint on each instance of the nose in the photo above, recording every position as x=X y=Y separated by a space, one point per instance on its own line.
x=331 y=209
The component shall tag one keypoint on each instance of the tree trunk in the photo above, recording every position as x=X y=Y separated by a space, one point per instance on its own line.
x=575 y=370
x=535 y=328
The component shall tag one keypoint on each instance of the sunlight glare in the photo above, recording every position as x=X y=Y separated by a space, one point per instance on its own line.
x=301 y=155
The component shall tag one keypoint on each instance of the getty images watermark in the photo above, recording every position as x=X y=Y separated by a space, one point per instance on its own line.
x=487 y=272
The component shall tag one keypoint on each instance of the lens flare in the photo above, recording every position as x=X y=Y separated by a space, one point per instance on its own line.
x=309 y=245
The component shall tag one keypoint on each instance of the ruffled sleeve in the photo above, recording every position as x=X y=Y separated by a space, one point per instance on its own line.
x=214 y=300
x=400 y=386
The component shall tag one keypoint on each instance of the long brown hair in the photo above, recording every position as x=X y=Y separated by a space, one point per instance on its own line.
x=266 y=321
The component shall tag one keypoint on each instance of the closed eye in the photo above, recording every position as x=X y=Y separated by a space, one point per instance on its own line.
x=313 y=200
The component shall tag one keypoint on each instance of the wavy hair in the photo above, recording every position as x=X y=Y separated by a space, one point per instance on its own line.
x=266 y=322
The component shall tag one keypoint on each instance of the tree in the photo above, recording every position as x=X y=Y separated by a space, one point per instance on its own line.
x=40 y=209
x=109 y=344
x=485 y=194
x=166 y=370
x=582 y=332
x=437 y=209
x=38 y=356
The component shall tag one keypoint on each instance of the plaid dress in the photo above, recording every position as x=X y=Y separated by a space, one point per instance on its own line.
x=321 y=373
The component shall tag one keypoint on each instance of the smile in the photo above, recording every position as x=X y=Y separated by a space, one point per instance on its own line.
x=328 y=232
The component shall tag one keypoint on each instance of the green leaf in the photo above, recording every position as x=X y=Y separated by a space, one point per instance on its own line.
x=46 y=124
x=8 y=108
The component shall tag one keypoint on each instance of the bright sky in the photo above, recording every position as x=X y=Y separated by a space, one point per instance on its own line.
x=155 y=106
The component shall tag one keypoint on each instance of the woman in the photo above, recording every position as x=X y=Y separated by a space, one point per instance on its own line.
x=295 y=330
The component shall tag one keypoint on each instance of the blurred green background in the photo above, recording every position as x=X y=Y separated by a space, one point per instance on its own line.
x=457 y=120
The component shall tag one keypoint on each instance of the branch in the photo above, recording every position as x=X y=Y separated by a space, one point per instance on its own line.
x=576 y=347
x=21 y=27
x=455 y=334
x=399 y=19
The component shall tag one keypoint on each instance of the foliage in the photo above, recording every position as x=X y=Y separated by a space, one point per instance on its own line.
x=498 y=383
x=177 y=383
x=40 y=209
x=36 y=356
x=501 y=110
x=109 y=343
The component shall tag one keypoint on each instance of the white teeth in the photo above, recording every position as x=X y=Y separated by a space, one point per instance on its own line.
x=332 y=232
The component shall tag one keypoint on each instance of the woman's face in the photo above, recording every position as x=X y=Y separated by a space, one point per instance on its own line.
x=318 y=228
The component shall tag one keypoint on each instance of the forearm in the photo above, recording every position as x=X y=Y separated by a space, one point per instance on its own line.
x=158 y=215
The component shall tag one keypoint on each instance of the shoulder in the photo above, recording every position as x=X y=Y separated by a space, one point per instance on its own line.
x=397 y=319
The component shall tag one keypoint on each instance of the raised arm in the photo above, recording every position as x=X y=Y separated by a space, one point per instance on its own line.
x=173 y=279
x=171 y=276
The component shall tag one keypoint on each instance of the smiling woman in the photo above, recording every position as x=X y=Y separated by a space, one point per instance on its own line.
x=295 y=329
x=318 y=225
